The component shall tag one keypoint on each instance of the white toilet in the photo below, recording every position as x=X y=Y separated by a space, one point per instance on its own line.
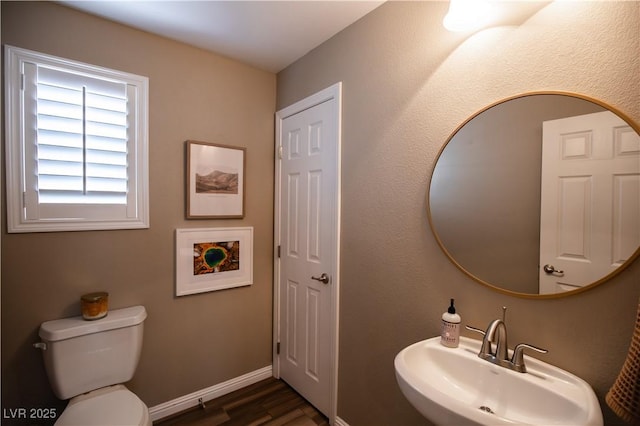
x=88 y=361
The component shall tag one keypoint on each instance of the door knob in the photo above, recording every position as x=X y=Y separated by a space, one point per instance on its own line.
x=549 y=269
x=324 y=278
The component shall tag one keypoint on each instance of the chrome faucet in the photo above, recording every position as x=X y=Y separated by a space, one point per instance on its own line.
x=496 y=336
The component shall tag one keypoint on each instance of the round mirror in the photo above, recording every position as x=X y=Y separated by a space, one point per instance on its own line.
x=539 y=194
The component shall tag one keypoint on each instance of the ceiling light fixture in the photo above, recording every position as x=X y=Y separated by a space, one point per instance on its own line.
x=467 y=15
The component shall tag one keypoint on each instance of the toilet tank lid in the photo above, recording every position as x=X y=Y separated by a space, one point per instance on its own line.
x=67 y=328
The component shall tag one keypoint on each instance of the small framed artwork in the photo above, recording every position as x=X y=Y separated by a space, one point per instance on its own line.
x=209 y=259
x=215 y=181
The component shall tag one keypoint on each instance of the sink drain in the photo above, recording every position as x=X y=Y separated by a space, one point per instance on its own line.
x=487 y=409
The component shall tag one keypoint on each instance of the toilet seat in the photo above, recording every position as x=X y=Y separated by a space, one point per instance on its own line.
x=113 y=406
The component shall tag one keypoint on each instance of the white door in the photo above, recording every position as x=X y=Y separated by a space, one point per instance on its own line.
x=590 y=205
x=307 y=229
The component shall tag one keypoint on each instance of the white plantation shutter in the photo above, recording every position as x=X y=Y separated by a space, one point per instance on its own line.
x=81 y=139
x=83 y=146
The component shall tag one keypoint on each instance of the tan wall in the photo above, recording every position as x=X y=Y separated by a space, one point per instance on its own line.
x=190 y=342
x=407 y=85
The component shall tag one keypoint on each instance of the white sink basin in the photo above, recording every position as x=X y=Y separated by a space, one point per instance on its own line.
x=455 y=387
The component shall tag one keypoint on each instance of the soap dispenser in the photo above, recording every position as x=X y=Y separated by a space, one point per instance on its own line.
x=450 y=334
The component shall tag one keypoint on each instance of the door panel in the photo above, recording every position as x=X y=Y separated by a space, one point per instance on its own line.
x=590 y=205
x=308 y=206
x=626 y=211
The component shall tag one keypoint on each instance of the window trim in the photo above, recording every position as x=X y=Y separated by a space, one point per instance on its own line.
x=15 y=144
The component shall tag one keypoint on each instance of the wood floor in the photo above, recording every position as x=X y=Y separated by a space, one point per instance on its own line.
x=270 y=402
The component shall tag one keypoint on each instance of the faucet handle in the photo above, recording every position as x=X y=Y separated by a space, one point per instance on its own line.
x=477 y=330
x=518 y=356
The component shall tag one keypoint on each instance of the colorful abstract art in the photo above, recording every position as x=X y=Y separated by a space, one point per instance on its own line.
x=213 y=257
x=210 y=259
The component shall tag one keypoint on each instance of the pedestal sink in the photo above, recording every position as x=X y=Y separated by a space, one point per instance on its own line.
x=455 y=387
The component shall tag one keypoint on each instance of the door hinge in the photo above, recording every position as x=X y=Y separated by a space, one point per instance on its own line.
x=278 y=252
x=280 y=152
x=278 y=348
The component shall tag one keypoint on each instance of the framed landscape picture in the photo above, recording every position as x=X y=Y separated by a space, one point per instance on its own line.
x=209 y=259
x=215 y=181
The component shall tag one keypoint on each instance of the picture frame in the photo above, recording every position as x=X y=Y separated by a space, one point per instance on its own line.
x=210 y=259
x=215 y=181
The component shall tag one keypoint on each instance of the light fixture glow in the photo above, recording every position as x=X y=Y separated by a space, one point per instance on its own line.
x=467 y=15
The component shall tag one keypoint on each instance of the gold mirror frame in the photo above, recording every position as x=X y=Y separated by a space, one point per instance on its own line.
x=604 y=279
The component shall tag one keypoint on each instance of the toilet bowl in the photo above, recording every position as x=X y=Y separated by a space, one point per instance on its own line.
x=88 y=362
x=114 y=406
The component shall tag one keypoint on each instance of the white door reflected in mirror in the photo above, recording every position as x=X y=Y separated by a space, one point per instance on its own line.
x=590 y=199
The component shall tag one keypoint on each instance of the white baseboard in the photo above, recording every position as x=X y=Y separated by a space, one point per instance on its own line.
x=340 y=422
x=188 y=401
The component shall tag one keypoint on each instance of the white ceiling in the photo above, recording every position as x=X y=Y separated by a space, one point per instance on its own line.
x=269 y=35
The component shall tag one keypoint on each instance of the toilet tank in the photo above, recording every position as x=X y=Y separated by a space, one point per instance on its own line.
x=81 y=356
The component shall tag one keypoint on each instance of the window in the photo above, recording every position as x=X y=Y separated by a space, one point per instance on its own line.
x=76 y=145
